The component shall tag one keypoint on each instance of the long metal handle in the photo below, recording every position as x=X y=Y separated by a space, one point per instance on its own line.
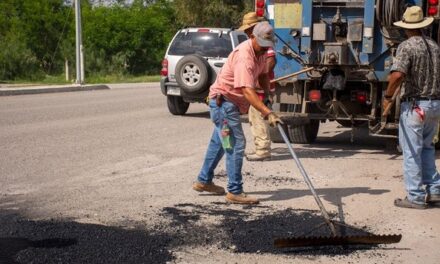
x=292 y=74
x=308 y=182
x=393 y=100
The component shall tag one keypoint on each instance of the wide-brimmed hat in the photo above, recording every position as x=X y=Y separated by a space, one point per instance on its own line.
x=263 y=32
x=413 y=19
x=249 y=20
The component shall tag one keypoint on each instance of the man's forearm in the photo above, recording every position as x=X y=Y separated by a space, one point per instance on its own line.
x=394 y=81
x=252 y=97
x=265 y=83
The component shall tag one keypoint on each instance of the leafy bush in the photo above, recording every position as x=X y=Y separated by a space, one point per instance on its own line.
x=36 y=37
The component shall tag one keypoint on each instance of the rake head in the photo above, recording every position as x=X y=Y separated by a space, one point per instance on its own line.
x=336 y=240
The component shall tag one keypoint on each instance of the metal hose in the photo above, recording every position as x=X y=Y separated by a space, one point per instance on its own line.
x=389 y=11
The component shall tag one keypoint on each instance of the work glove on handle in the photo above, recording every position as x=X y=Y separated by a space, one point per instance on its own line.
x=273 y=119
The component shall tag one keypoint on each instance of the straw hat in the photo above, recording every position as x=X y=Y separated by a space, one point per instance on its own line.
x=249 y=20
x=413 y=19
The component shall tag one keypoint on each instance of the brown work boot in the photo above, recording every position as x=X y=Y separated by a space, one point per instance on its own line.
x=255 y=157
x=241 y=198
x=250 y=152
x=432 y=198
x=209 y=187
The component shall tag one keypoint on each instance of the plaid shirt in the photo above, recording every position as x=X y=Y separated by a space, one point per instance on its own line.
x=422 y=79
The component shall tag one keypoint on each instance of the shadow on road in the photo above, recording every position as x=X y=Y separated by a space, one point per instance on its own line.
x=332 y=195
x=337 y=143
x=67 y=241
x=10 y=246
x=199 y=115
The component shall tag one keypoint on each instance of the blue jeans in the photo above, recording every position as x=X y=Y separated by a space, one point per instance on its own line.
x=234 y=157
x=415 y=136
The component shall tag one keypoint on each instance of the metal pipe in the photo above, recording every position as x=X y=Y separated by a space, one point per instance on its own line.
x=292 y=74
x=79 y=77
x=308 y=182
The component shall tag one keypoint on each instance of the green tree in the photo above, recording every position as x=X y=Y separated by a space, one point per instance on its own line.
x=44 y=25
x=127 y=39
x=211 y=13
x=30 y=34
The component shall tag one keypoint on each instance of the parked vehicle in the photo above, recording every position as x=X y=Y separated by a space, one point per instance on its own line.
x=351 y=44
x=191 y=63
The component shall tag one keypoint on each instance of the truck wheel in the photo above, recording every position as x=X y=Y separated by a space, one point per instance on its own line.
x=304 y=134
x=176 y=105
x=192 y=74
x=275 y=135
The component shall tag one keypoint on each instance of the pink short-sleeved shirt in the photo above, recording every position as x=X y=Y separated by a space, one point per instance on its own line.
x=240 y=70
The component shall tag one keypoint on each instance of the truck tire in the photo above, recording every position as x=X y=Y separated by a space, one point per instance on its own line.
x=176 y=105
x=275 y=135
x=192 y=74
x=304 y=134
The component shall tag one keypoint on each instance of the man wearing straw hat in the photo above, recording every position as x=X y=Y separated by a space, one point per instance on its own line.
x=259 y=127
x=416 y=69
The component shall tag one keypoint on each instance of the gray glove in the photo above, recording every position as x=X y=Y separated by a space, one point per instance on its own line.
x=273 y=119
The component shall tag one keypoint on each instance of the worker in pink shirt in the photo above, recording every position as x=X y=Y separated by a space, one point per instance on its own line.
x=259 y=128
x=231 y=95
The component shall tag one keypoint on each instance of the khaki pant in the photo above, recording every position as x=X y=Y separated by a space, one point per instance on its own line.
x=260 y=132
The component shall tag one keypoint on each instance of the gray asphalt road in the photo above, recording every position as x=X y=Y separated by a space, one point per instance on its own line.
x=56 y=136
x=105 y=176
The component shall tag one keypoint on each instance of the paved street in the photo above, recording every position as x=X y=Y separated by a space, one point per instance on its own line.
x=105 y=177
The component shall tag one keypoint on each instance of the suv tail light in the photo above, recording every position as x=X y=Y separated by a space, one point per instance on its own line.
x=433 y=8
x=259 y=7
x=164 y=71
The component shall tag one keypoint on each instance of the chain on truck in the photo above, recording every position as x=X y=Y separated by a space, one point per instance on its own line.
x=350 y=44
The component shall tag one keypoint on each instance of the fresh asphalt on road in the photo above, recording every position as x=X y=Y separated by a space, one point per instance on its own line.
x=104 y=177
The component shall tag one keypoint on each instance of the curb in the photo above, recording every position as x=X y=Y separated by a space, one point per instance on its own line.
x=49 y=89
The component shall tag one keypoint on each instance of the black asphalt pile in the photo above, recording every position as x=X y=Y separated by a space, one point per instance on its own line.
x=54 y=241
x=250 y=229
x=216 y=226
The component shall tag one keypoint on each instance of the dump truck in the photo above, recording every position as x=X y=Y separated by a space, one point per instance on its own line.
x=350 y=44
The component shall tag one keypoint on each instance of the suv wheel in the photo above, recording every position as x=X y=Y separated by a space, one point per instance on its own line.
x=192 y=74
x=176 y=105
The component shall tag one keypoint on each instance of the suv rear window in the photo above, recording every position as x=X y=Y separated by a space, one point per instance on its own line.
x=205 y=44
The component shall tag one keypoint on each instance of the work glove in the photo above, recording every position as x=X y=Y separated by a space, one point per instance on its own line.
x=273 y=119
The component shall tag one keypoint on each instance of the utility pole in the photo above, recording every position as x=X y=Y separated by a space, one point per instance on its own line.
x=79 y=46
